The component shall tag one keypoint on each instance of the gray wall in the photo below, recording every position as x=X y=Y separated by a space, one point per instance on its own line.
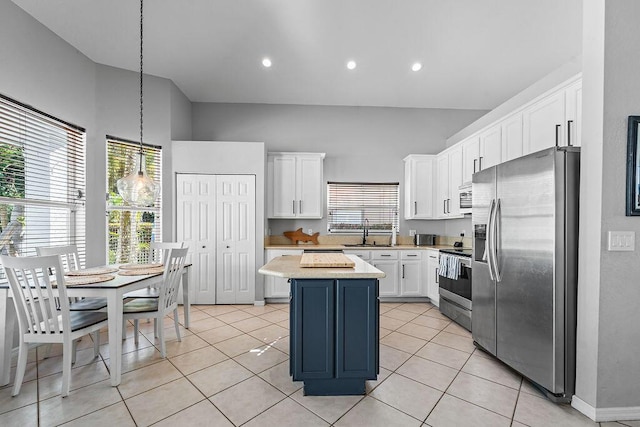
x=49 y=74
x=361 y=143
x=608 y=369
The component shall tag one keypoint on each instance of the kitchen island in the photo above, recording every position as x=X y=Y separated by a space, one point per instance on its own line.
x=334 y=325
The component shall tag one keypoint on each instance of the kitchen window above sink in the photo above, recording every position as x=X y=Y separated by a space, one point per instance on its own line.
x=352 y=204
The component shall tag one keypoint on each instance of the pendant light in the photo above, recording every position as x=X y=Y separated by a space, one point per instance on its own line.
x=137 y=188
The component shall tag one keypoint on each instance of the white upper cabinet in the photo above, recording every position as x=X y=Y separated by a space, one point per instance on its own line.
x=574 y=114
x=442 y=190
x=449 y=178
x=490 y=147
x=481 y=151
x=419 y=174
x=455 y=181
x=295 y=185
x=470 y=157
x=511 y=137
x=544 y=123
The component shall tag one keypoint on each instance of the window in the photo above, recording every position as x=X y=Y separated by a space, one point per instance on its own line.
x=131 y=229
x=349 y=204
x=42 y=181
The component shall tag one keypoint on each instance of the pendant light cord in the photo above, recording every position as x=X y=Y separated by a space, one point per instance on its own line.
x=141 y=92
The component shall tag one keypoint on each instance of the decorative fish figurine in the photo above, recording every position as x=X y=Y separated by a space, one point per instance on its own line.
x=299 y=236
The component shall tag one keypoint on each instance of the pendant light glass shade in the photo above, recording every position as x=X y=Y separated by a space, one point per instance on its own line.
x=137 y=188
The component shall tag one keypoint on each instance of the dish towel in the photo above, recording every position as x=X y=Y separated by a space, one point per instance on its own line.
x=449 y=266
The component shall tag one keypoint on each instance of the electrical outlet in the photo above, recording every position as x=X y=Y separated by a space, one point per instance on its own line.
x=310 y=231
x=462 y=233
x=412 y=232
x=621 y=241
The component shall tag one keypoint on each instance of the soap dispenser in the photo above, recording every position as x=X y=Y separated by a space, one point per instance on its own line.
x=393 y=235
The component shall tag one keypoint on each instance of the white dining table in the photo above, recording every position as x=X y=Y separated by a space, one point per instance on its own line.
x=113 y=291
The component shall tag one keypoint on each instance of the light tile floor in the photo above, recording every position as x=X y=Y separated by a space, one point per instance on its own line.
x=232 y=368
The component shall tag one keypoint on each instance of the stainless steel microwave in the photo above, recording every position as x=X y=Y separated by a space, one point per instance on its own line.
x=465 y=198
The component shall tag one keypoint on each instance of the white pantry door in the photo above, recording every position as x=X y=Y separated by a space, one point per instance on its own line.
x=195 y=224
x=236 y=233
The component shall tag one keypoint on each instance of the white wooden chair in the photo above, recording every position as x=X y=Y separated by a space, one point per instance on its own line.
x=158 y=252
x=167 y=301
x=39 y=320
x=70 y=261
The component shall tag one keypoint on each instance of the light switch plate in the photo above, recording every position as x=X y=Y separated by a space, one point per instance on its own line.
x=412 y=232
x=621 y=241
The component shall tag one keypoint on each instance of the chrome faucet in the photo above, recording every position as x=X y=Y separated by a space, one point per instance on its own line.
x=365 y=231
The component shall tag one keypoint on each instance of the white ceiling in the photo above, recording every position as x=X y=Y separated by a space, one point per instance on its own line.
x=475 y=53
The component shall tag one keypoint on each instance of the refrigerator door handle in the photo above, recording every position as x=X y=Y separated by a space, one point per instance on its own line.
x=496 y=239
x=488 y=250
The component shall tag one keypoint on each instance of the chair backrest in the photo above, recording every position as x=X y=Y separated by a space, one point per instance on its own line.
x=159 y=251
x=30 y=279
x=68 y=255
x=173 y=266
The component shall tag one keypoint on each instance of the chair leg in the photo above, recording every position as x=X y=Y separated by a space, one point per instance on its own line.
x=96 y=344
x=67 y=353
x=74 y=347
x=124 y=328
x=175 y=323
x=163 y=350
x=155 y=327
x=135 y=331
x=22 y=366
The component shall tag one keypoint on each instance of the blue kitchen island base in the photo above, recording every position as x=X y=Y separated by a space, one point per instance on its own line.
x=334 y=335
x=334 y=387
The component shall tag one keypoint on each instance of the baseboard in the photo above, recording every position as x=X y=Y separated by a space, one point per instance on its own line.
x=606 y=414
x=258 y=303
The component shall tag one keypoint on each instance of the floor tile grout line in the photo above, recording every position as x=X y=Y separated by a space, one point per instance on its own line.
x=513 y=413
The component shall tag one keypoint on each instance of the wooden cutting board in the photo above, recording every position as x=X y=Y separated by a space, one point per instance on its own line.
x=326 y=260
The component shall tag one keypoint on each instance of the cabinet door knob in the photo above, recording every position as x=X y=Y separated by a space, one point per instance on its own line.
x=228 y=247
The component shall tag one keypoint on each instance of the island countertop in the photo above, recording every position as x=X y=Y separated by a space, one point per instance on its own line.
x=289 y=267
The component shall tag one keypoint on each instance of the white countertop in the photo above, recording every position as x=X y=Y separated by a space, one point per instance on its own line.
x=289 y=267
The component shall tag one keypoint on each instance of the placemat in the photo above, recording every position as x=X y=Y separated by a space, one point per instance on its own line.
x=86 y=280
x=140 y=266
x=94 y=271
x=141 y=271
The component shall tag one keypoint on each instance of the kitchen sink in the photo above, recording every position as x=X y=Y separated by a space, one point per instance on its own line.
x=368 y=245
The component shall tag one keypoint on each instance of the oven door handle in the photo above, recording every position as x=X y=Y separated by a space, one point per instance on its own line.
x=488 y=250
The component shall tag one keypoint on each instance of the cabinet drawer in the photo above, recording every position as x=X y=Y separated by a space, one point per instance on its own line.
x=411 y=255
x=365 y=255
x=384 y=254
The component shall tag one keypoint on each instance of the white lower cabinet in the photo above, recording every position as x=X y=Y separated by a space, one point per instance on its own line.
x=406 y=271
x=433 y=264
x=411 y=276
x=277 y=287
x=387 y=261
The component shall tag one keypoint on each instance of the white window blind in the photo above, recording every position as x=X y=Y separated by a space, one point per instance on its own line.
x=131 y=229
x=349 y=204
x=42 y=181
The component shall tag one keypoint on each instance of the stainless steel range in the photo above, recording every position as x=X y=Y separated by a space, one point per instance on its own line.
x=455 y=285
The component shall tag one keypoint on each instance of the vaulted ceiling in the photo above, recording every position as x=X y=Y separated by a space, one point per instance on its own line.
x=474 y=53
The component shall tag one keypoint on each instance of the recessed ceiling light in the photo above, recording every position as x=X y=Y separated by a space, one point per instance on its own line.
x=351 y=65
x=266 y=62
x=416 y=66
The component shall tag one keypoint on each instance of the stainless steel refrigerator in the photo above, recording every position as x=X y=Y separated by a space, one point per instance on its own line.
x=524 y=283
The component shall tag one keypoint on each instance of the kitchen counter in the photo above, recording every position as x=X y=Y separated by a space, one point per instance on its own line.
x=308 y=247
x=289 y=267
